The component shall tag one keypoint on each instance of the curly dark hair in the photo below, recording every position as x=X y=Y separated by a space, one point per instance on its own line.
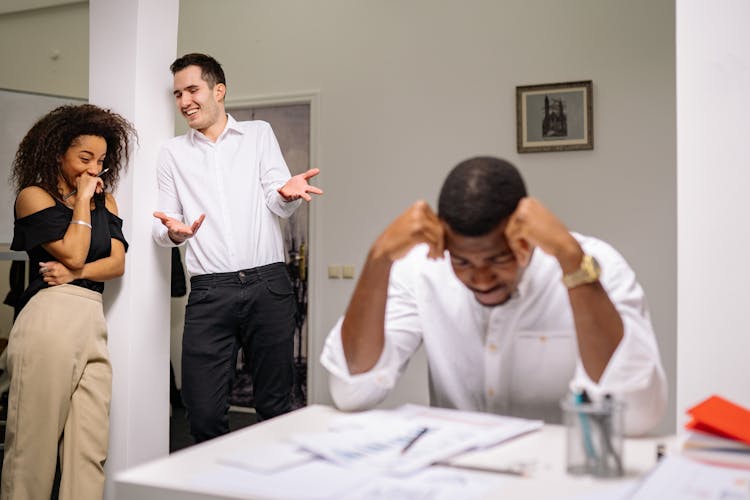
x=37 y=161
x=480 y=193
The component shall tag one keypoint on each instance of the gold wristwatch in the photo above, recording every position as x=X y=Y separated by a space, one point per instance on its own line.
x=587 y=273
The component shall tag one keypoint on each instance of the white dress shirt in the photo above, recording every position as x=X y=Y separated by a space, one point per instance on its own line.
x=519 y=358
x=233 y=181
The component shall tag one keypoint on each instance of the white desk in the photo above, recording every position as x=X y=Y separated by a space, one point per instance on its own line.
x=168 y=478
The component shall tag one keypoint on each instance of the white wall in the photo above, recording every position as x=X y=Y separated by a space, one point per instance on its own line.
x=713 y=80
x=8 y=6
x=46 y=50
x=129 y=40
x=408 y=89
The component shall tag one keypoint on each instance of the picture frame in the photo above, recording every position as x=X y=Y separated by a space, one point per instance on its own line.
x=554 y=117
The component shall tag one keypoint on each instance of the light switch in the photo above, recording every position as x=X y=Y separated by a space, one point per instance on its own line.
x=348 y=272
x=334 y=272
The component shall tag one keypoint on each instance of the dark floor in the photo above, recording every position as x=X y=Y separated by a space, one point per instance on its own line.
x=179 y=432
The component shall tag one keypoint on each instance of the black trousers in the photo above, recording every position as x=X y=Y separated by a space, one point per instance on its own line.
x=253 y=309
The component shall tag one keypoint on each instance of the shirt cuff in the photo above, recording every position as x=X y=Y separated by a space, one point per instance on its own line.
x=633 y=377
x=161 y=234
x=284 y=208
x=360 y=391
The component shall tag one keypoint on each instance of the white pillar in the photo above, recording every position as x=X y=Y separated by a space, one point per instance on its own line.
x=713 y=178
x=131 y=44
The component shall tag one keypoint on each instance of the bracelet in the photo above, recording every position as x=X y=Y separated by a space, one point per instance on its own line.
x=81 y=222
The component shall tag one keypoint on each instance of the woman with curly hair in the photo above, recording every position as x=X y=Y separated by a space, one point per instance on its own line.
x=60 y=376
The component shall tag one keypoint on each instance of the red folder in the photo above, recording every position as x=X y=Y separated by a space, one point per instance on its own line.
x=722 y=418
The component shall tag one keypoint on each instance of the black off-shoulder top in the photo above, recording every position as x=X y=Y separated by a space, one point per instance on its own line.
x=50 y=224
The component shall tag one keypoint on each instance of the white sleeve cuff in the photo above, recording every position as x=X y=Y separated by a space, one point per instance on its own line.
x=634 y=377
x=278 y=205
x=160 y=233
x=360 y=391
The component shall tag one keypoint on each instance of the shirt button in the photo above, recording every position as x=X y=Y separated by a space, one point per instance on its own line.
x=492 y=348
x=490 y=392
x=543 y=339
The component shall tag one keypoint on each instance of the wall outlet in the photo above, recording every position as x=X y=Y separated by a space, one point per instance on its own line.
x=334 y=272
x=347 y=272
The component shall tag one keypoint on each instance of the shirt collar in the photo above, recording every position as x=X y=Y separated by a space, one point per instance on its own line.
x=232 y=125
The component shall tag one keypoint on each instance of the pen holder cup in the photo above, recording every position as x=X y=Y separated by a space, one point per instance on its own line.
x=594 y=437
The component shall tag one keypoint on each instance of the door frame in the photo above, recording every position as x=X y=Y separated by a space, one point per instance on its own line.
x=312 y=99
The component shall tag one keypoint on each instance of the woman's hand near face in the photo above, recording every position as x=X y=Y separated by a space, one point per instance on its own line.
x=88 y=185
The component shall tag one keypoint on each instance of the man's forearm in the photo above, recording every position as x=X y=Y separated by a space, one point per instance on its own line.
x=599 y=327
x=363 y=328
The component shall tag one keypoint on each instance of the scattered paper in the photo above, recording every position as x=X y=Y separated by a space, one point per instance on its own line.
x=377 y=439
x=315 y=480
x=680 y=477
x=368 y=456
x=270 y=458
x=430 y=484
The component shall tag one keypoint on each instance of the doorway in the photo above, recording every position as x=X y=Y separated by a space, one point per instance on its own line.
x=291 y=125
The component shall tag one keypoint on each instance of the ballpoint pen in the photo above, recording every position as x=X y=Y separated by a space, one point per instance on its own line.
x=413 y=440
x=76 y=190
x=581 y=398
x=512 y=471
x=605 y=421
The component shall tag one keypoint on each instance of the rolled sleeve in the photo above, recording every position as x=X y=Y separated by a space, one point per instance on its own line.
x=361 y=391
x=634 y=374
x=633 y=378
x=403 y=336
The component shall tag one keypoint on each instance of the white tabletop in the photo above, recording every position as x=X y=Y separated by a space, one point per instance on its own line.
x=170 y=478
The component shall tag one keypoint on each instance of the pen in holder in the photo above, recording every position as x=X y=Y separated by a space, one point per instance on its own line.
x=594 y=435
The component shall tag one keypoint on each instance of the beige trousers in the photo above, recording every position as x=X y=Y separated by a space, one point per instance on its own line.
x=60 y=389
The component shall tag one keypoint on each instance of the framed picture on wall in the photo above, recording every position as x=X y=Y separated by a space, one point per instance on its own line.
x=554 y=117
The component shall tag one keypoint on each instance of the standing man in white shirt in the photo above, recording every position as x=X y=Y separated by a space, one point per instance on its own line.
x=511 y=307
x=229 y=180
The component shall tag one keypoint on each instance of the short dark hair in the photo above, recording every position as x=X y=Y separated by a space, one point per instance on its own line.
x=211 y=70
x=37 y=161
x=480 y=193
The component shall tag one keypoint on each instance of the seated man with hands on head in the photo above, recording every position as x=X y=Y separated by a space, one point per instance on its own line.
x=513 y=309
